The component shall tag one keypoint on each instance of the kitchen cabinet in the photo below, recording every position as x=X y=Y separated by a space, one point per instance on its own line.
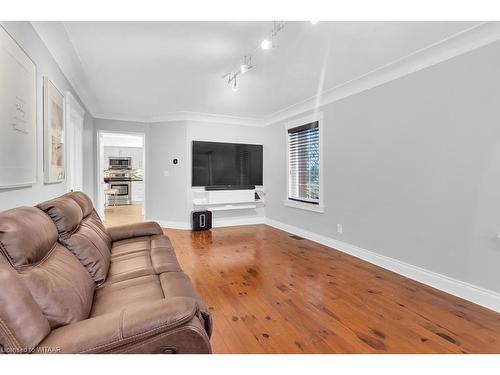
x=137 y=192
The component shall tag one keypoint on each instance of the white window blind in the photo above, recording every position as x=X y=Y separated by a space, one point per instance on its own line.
x=304 y=163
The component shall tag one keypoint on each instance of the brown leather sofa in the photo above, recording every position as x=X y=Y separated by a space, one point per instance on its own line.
x=69 y=285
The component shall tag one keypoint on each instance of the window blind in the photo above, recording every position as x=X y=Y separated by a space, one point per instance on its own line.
x=303 y=163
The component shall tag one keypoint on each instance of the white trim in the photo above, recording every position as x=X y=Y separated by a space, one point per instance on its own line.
x=100 y=199
x=304 y=205
x=457 y=44
x=173 y=224
x=73 y=104
x=55 y=37
x=75 y=116
x=216 y=223
x=481 y=296
x=185 y=116
x=317 y=116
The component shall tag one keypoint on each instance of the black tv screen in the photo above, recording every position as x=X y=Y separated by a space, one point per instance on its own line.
x=226 y=164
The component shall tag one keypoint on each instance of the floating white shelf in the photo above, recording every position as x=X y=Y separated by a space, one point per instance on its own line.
x=221 y=200
x=233 y=207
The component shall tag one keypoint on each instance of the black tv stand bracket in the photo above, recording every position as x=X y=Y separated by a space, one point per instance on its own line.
x=230 y=187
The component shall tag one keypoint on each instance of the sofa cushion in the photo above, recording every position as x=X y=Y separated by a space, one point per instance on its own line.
x=83 y=234
x=64 y=212
x=130 y=266
x=61 y=286
x=58 y=283
x=90 y=216
x=112 y=297
x=82 y=200
x=178 y=284
x=22 y=324
x=26 y=235
x=163 y=256
x=130 y=246
x=122 y=232
x=146 y=289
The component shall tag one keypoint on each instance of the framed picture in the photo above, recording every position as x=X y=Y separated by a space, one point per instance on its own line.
x=18 y=129
x=54 y=133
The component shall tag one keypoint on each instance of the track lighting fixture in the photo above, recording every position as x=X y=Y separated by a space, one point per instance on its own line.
x=234 y=87
x=231 y=80
x=266 y=44
x=247 y=64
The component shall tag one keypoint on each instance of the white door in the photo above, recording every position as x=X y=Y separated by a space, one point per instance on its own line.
x=74 y=122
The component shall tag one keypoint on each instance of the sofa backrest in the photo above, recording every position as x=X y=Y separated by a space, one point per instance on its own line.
x=42 y=285
x=81 y=231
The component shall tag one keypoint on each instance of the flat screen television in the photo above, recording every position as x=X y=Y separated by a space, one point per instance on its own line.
x=226 y=165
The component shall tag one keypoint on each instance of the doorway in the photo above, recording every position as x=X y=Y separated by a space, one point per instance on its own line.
x=122 y=183
x=74 y=151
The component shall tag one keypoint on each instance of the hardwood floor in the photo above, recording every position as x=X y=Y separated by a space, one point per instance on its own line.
x=271 y=293
x=120 y=215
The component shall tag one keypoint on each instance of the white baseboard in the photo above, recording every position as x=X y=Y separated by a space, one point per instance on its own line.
x=173 y=224
x=231 y=222
x=217 y=223
x=469 y=292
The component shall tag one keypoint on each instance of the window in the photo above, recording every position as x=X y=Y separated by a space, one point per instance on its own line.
x=304 y=164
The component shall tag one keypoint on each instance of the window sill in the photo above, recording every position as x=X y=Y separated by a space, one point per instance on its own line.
x=304 y=206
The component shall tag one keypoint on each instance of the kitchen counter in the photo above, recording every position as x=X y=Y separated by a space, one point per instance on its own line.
x=124 y=179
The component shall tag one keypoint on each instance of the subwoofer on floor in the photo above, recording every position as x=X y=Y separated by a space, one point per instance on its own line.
x=201 y=220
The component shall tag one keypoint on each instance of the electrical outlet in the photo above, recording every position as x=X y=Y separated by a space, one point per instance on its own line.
x=339 y=228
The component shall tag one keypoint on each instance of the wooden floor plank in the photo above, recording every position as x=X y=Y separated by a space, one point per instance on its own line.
x=271 y=293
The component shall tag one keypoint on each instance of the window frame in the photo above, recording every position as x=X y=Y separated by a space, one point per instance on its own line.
x=293 y=124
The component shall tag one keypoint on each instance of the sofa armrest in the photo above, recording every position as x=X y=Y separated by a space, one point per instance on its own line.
x=122 y=232
x=129 y=329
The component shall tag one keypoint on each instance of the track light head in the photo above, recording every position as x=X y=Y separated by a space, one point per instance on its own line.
x=314 y=22
x=234 y=86
x=266 y=44
x=244 y=68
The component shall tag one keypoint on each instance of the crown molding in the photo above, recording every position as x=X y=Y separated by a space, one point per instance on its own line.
x=185 y=116
x=57 y=40
x=457 y=44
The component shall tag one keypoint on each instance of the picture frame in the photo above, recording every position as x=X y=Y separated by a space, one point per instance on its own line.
x=54 y=133
x=18 y=115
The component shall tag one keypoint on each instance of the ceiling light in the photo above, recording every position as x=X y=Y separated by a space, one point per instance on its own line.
x=314 y=22
x=266 y=44
x=244 y=68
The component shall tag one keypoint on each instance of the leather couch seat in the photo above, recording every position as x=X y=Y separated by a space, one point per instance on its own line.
x=67 y=282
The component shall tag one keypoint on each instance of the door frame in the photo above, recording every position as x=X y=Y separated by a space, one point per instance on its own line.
x=100 y=167
x=74 y=116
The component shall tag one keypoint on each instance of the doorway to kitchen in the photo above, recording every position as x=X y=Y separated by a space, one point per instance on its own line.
x=121 y=187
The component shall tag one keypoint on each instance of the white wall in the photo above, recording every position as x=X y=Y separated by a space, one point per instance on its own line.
x=172 y=194
x=411 y=169
x=29 y=40
x=167 y=194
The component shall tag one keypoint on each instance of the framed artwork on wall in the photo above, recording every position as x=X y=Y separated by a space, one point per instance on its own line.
x=54 y=133
x=18 y=128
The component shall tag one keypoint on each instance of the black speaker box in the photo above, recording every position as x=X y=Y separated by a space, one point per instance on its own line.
x=201 y=220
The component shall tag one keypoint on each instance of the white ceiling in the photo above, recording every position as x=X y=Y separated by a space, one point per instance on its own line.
x=121 y=140
x=149 y=70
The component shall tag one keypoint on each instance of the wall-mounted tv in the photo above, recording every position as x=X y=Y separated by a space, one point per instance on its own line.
x=226 y=165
